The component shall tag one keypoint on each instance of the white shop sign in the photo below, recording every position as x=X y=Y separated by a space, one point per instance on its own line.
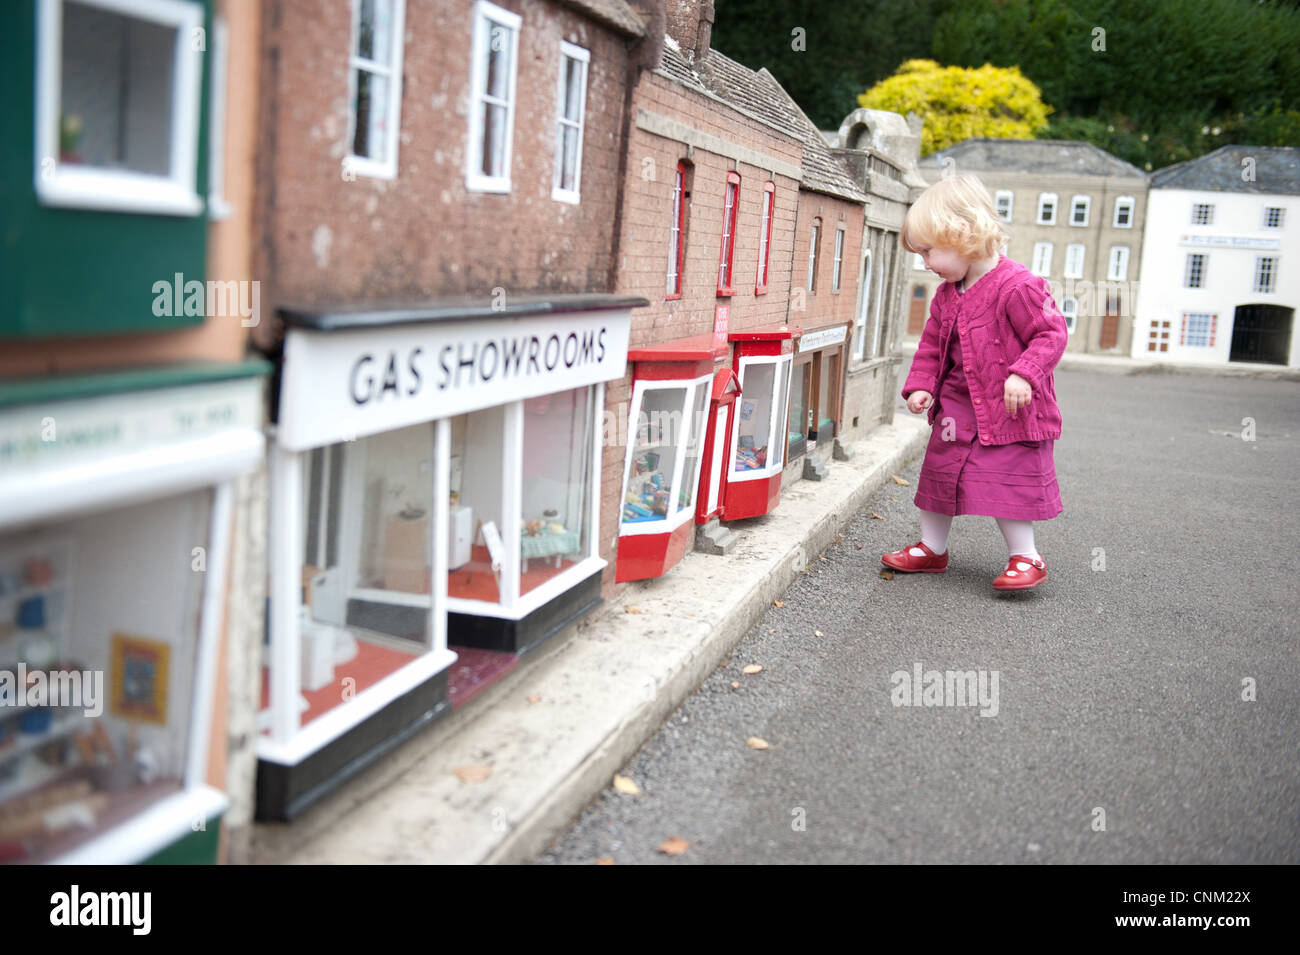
x=339 y=385
x=1229 y=242
x=811 y=341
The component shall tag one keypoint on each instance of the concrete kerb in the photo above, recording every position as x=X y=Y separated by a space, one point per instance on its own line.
x=727 y=616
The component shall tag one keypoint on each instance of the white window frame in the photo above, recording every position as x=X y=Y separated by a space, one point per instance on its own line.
x=1187 y=269
x=864 y=306
x=74 y=185
x=1070 y=309
x=675 y=517
x=778 y=429
x=1117 y=266
x=672 y=279
x=569 y=51
x=1042 y=262
x=1075 y=254
x=1258 y=285
x=487 y=15
x=1281 y=217
x=1086 y=202
x=218 y=206
x=1043 y=199
x=1209 y=213
x=1010 y=197
x=814 y=236
x=839 y=258
x=1124 y=202
x=363 y=165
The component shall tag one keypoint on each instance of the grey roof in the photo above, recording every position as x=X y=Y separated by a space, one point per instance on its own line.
x=1275 y=169
x=615 y=14
x=677 y=67
x=759 y=94
x=1028 y=156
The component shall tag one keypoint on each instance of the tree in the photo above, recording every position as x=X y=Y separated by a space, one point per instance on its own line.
x=956 y=103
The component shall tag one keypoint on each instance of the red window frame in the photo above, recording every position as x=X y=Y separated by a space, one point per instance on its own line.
x=679 y=225
x=765 y=238
x=726 y=259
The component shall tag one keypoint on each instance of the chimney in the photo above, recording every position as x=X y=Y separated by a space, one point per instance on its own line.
x=690 y=23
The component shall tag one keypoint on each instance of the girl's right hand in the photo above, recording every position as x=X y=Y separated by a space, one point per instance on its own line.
x=918 y=401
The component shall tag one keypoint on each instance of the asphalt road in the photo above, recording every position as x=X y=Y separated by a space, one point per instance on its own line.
x=1119 y=690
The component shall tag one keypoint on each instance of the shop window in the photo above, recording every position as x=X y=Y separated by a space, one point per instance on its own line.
x=375 y=81
x=367 y=564
x=107 y=609
x=494 y=57
x=765 y=237
x=757 y=450
x=1124 y=212
x=800 y=410
x=828 y=363
x=572 y=107
x=662 y=470
x=477 y=506
x=118 y=87
x=677 y=235
x=555 y=523
x=731 y=202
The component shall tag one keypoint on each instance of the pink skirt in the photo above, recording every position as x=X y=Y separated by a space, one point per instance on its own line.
x=962 y=476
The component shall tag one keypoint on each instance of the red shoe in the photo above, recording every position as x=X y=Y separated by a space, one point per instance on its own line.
x=1022 y=573
x=932 y=563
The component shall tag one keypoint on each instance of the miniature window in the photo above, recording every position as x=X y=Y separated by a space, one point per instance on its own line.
x=1265 y=274
x=105 y=619
x=1124 y=212
x=839 y=259
x=864 y=307
x=755 y=417
x=1004 y=199
x=218 y=207
x=492 y=89
x=662 y=469
x=676 y=237
x=765 y=237
x=797 y=425
x=476 y=534
x=1080 y=207
x=686 y=491
x=117 y=110
x=555 y=526
x=1074 y=255
x=729 y=209
x=1274 y=217
x=375 y=80
x=1042 y=259
x=1198 y=330
x=1195 y=274
x=1202 y=213
x=1047 y=208
x=1070 y=309
x=813 y=241
x=572 y=107
x=1117 y=269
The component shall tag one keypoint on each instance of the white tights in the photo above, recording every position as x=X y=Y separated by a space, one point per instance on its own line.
x=1019 y=535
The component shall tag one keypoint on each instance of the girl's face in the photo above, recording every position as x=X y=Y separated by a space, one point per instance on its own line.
x=949 y=264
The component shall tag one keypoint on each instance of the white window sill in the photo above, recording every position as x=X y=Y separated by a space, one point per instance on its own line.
x=354 y=166
x=565 y=195
x=219 y=208
x=477 y=183
x=112 y=191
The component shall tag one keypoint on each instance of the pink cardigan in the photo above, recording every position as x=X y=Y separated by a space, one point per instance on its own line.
x=1008 y=324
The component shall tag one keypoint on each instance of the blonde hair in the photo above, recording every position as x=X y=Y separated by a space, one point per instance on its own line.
x=955 y=213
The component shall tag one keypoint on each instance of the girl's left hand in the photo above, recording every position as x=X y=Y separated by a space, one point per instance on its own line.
x=1017 y=394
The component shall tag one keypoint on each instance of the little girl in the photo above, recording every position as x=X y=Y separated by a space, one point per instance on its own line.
x=984 y=370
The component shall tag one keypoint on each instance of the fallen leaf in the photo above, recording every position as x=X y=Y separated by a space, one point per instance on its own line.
x=887 y=574
x=625 y=785
x=735 y=685
x=472 y=774
x=753 y=668
x=535 y=698
x=771 y=629
x=757 y=742
x=876 y=516
x=778 y=603
x=607 y=860
x=632 y=610
x=674 y=846
x=839 y=538
x=899 y=480
x=857 y=546
x=818 y=633
x=823 y=558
